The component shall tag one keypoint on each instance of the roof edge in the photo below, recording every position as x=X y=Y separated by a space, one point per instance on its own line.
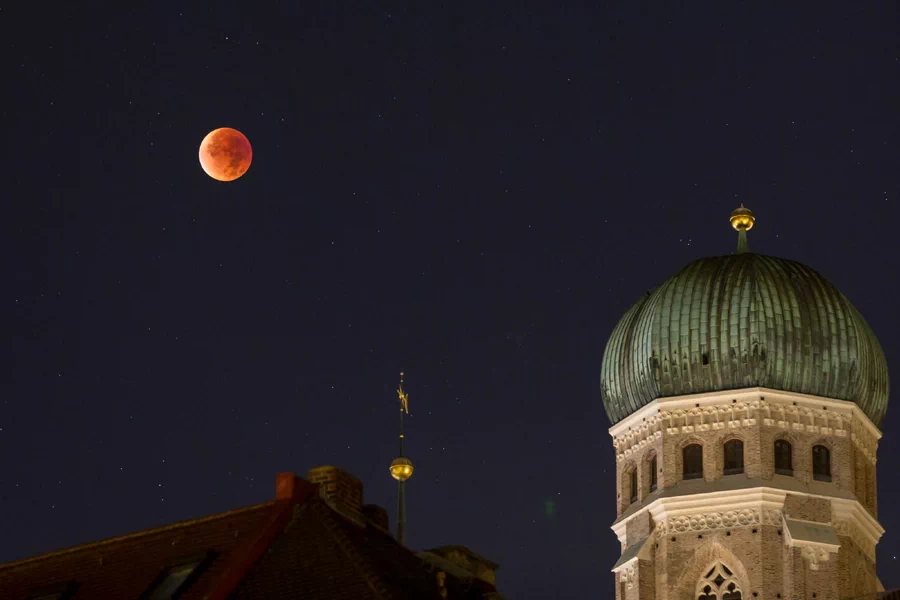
x=111 y=540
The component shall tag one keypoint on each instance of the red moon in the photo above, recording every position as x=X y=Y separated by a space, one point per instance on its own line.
x=225 y=154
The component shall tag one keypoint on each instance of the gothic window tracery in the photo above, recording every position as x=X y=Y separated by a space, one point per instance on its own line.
x=719 y=583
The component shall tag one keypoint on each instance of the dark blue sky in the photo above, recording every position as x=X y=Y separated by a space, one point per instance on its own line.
x=471 y=192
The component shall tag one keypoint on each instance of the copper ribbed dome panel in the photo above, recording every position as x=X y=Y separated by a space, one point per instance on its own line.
x=741 y=321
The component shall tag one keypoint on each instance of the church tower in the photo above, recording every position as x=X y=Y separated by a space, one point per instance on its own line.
x=746 y=395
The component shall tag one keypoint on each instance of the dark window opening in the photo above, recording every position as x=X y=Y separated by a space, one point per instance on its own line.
x=821 y=463
x=734 y=457
x=62 y=591
x=653 y=469
x=693 y=461
x=784 y=459
x=634 y=488
x=176 y=578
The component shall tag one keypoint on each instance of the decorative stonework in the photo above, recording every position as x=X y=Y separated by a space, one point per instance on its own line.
x=738 y=415
x=718 y=582
x=720 y=520
x=628 y=576
x=772 y=517
x=814 y=557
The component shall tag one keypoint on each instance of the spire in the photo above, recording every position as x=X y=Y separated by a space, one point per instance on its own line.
x=401 y=468
x=742 y=220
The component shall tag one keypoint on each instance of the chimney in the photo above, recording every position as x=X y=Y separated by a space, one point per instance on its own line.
x=376 y=515
x=290 y=487
x=341 y=489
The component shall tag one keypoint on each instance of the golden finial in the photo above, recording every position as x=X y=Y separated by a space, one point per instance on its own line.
x=742 y=219
x=401 y=468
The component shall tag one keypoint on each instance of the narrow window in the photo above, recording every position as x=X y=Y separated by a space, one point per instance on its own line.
x=693 y=461
x=634 y=488
x=177 y=578
x=784 y=459
x=821 y=463
x=653 y=474
x=734 y=457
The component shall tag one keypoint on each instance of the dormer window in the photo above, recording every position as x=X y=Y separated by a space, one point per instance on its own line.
x=176 y=578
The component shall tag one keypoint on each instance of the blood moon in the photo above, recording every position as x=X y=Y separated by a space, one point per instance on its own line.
x=225 y=154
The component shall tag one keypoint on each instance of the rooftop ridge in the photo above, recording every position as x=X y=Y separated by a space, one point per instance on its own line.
x=359 y=562
x=145 y=532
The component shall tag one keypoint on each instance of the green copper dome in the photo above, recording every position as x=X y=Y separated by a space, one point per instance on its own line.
x=739 y=321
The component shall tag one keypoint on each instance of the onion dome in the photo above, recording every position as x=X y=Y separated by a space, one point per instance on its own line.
x=739 y=321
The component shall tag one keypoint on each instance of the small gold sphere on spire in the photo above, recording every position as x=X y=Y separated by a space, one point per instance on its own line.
x=742 y=219
x=401 y=468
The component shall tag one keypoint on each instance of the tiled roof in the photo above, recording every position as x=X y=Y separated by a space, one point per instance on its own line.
x=124 y=567
x=298 y=546
x=330 y=556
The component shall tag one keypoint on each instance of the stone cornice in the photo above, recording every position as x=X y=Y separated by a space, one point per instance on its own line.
x=734 y=409
x=747 y=507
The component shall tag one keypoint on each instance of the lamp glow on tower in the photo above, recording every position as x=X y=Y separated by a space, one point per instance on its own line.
x=401 y=468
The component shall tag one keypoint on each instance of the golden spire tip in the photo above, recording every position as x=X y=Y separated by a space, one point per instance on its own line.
x=742 y=219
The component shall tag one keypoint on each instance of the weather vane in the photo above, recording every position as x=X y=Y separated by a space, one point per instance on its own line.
x=401 y=468
x=404 y=397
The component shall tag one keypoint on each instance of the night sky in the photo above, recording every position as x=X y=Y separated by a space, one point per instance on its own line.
x=473 y=193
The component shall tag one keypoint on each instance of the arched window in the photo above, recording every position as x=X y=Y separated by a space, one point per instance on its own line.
x=821 y=463
x=784 y=458
x=653 y=469
x=734 y=457
x=634 y=489
x=719 y=583
x=693 y=461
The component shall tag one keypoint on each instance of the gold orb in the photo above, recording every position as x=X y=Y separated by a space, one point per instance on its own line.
x=401 y=468
x=742 y=219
